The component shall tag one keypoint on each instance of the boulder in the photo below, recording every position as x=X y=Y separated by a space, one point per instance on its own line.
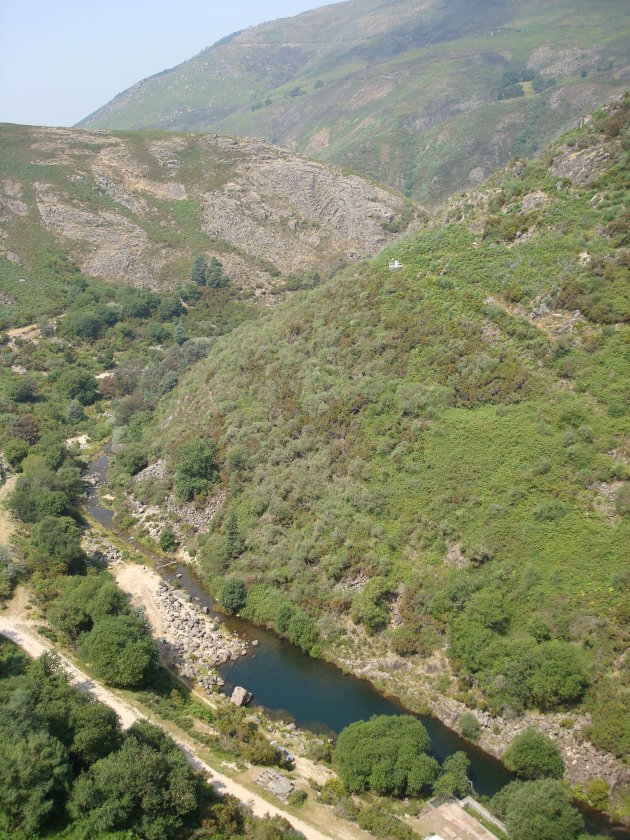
x=240 y=696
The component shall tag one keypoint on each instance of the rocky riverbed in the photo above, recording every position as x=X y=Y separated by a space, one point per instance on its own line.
x=194 y=641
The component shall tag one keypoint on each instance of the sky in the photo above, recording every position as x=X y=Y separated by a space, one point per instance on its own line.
x=62 y=59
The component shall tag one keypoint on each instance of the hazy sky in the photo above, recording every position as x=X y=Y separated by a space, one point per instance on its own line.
x=62 y=59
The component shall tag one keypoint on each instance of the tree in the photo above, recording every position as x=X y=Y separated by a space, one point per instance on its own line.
x=538 y=810
x=8 y=571
x=453 y=780
x=387 y=754
x=232 y=594
x=120 y=650
x=533 y=755
x=215 y=277
x=146 y=787
x=56 y=544
x=15 y=451
x=168 y=540
x=34 y=779
x=78 y=383
x=198 y=273
x=196 y=468
x=20 y=389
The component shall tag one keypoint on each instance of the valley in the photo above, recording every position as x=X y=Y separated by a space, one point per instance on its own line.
x=271 y=426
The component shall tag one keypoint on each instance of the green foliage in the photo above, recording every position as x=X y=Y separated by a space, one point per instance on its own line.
x=8 y=571
x=387 y=754
x=15 y=451
x=195 y=469
x=533 y=755
x=147 y=786
x=78 y=383
x=132 y=459
x=84 y=600
x=538 y=810
x=232 y=594
x=370 y=606
x=215 y=276
x=168 y=540
x=120 y=651
x=198 y=272
x=20 y=389
x=469 y=726
x=55 y=546
x=453 y=780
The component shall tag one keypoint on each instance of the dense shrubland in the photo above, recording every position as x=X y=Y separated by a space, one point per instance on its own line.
x=413 y=441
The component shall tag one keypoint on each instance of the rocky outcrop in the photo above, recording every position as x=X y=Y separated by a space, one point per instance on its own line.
x=133 y=210
x=241 y=696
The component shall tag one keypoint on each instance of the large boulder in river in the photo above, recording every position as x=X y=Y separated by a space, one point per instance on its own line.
x=241 y=696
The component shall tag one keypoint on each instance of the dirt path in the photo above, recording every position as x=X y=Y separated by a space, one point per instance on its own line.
x=19 y=631
x=6 y=523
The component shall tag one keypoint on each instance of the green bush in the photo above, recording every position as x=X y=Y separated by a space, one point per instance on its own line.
x=196 y=468
x=387 y=754
x=533 y=755
x=232 y=594
x=55 y=546
x=168 y=540
x=538 y=810
x=15 y=451
x=469 y=726
x=453 y=780
x=120 y=651
x=132 y=459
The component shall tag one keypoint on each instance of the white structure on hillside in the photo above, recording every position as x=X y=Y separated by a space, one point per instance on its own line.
x=394 y=265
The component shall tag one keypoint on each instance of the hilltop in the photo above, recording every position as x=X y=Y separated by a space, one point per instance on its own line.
x=424 y=474
x=136 y=208
x=427 y=97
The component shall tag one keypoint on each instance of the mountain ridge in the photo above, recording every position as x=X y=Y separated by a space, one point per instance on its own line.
x=406 y=93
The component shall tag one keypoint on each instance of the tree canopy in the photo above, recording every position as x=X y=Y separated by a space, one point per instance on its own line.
x=387 y=754
x=533 y=755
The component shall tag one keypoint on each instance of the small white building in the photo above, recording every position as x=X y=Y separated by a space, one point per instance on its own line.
x=394 y=265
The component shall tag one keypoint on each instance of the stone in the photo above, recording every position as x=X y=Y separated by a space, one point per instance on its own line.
x=241 y=696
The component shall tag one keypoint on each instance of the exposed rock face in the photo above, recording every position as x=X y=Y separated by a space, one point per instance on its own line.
x=135 y=210
x=240 y=696
x=580 y=167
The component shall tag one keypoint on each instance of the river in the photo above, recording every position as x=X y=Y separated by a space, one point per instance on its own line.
x=316 y=695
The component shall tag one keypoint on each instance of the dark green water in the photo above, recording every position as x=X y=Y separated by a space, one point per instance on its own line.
x=316 y=695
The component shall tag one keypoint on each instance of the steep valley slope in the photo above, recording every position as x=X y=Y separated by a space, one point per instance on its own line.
x=136 y=208
x=425 y=473
x=426 y=96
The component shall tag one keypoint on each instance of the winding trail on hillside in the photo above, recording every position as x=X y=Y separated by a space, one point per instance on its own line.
x=20 y=631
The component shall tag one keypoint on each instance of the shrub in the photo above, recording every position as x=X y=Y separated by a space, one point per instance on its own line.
x=538 y=810
x=370 y=606
x=622 y=500
x=297 y=797
x=387 y=754
x=56 y=545
x=120 y=651
x=533 y=755
x=196 y=468
x=232 y=594
x=132 y=459
x=8 y=571
x=469 y=726
x=20 y=389
x=168 y=540
x=15 y=451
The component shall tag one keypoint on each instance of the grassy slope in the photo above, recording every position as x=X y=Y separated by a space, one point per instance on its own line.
x=395 y=91
x=373 y=424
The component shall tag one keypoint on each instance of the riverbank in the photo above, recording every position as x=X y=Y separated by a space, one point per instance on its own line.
x=410 y=681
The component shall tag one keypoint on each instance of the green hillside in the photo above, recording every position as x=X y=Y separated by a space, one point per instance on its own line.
x=439 y=458
x=425 y=97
